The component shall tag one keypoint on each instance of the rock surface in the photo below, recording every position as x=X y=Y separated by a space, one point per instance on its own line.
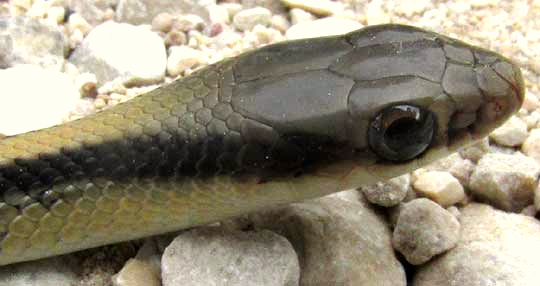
x=512 y=133
x=113 y=50
x=339 y=241
x=388 y=193
x=214 y=256
x=440 y=187
x=495 y=248
x=423 y=230
x=143 y=11
x=505 y=181
x=43 y=88
x=56 y=271
x=24 y=40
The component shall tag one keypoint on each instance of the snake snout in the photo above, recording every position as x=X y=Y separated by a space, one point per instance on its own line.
x=502 y=86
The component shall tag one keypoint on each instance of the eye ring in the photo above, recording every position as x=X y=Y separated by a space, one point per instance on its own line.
x=401 y=132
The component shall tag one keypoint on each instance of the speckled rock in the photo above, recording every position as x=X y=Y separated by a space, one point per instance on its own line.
x=512 y=133
x=317 y=7
x=60 y=98
x=441 y=187
x=143 y=11
x=475 y=151
x=531 y=146
x=454 y=164
x=93 y=11
x=322 y=27
x=112 y=50
x=182 y=58
x=505 y=181
x=339 y=241
x=27 y=41
x=423 y=230
x=495 y=248
x=214 y=256
x=56 y=271
x=246 y=20
x=388 y=193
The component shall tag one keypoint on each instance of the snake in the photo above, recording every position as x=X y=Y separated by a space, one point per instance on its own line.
x=287 y=122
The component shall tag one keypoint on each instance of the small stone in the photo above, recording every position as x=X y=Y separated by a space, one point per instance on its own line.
x=495 y=248
x=214 y=256
x=441 y=187
x=512 y=133
x=163 y=22
x=77 y=22
x=531 y=146
x=175 y=38
x=454 y=164
x=322 y=27
x=182 y=58
x=95 y=12
x=529 y=211
x=143 y=270
x=246 y=20
x=475 y=151
x=56 y=14
x=219 y=14
x=24 y=109
x=530 y=102
x=112 y=50
x=188 y=22
x=86 y=84
x=505 y=181
x=532 y=119
x=423 y=230
x=375 y=13
x=299 y=16
x=389 y=193
x=412 y=7
x=232 y=8
x=454 y=211
x=280 y=23
x=143 y=11
x=136 y=273
x=57 y=271
x=317 y=7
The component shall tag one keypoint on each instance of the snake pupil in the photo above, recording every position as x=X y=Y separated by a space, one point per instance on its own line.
x=401 y=132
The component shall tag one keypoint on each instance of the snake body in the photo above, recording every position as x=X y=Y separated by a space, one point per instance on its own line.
x=280 y=124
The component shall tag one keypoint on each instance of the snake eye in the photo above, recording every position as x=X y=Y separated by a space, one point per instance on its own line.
x=401 y=132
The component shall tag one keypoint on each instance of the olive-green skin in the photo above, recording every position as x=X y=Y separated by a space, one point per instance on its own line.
x=273 y=126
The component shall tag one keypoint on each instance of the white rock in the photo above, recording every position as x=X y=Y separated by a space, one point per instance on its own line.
x=246 y=20
x=495 y=248
x=27 y=41
x=111 y=50
x=299 y=16
x=388 y=193
x=505 y=181
x=411 y=7
x=454 y=164
x=34 y=98
x=512 y=133
x=219 y=14
x=182 y=58
x=280 y=23
x=441 y=187
x=322 y=27
x=56 y=271
x=188 y=22
x=214 y=256
x=423 y=230
x=531 y=146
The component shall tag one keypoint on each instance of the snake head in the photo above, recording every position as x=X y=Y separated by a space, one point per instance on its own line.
x=419 y=95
